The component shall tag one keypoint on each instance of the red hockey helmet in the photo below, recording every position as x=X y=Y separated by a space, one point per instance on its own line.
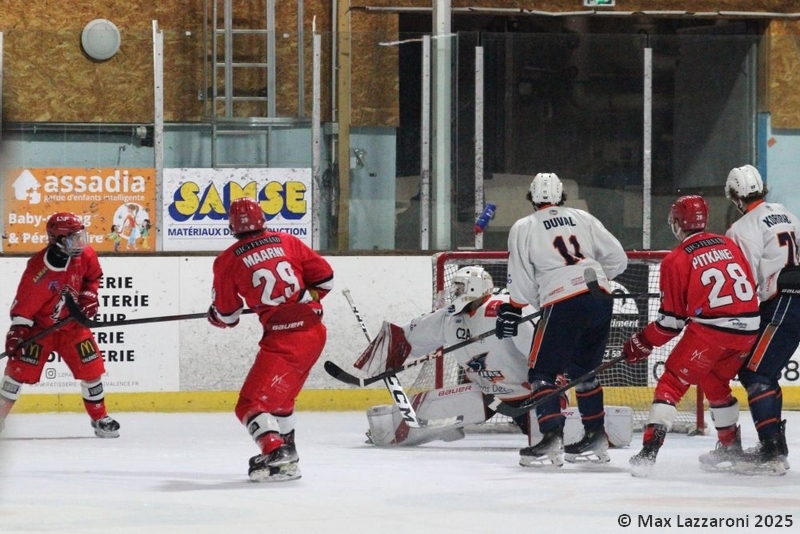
x=245 y=215
x=66 y=231
x=688 y=213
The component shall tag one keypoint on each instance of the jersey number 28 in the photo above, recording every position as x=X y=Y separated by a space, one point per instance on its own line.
x=742 y=287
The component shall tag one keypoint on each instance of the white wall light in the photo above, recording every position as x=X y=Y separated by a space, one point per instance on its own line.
x=100 y=39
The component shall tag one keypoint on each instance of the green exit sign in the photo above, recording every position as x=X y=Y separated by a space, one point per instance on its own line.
x=599 y=3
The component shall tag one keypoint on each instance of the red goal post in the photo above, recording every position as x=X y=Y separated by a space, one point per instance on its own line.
x=624 y=385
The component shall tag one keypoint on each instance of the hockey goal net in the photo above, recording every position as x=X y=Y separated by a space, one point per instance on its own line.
x=624 y=385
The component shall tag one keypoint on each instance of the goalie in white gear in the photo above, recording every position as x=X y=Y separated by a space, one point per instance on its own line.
x=491 y=366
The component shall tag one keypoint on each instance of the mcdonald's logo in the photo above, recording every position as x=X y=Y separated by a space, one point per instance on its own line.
x=86 y=351
x=31 y=354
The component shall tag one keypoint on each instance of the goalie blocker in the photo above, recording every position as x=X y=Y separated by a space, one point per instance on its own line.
x=448 y=410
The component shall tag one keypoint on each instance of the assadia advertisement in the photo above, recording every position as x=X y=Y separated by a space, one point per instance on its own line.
x=116 y=205
x=196 y=204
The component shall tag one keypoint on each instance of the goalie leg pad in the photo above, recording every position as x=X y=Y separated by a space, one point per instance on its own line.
x=442 y=413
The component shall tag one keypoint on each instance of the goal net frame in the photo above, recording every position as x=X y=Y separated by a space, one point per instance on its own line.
x=623 y=385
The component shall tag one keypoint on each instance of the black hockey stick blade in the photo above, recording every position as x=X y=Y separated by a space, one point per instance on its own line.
x=343 y=376
x=590 y=277
x=76 y=313
x=39 y=335
x=340 y=374
x=511 y=411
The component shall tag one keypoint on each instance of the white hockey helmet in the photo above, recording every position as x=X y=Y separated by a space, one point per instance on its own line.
x=743 y=184
x=469 y=283
x=546 y=188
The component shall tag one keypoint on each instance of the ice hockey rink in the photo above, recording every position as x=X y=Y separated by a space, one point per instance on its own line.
x=186 y=473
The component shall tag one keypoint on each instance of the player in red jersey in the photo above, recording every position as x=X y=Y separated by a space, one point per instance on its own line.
x=707 y=292
x=282 y=280
x=67 y=266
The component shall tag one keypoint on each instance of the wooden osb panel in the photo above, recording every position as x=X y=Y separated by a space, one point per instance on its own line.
x=783 y=74
x=48 y=78
x=374 y=71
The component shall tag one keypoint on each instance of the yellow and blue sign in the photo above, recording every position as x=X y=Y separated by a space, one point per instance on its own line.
x=196 y=203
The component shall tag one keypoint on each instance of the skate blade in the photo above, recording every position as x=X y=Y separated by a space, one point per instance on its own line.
x=282 y=474
x=774 y=469
x=548 y=461
x=587 y=457
x=106 y=434
x=722 y=467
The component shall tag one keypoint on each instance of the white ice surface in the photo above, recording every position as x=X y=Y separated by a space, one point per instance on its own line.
x=186 y=473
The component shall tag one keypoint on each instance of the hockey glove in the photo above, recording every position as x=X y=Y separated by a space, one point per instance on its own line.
x=637 y=348
x=16 y=335
x=215 y=320
x=308 y=295
x=508 y=317
x=87 y=300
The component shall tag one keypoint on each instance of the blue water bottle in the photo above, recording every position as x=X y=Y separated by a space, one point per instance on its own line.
x=483 y=220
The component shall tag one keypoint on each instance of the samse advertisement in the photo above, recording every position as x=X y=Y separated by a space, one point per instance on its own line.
x=196 y=202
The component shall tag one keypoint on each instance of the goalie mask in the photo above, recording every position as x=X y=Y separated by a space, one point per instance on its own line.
x=67 y=232
x=744 y=184
x=688 y=215
x=469 y=284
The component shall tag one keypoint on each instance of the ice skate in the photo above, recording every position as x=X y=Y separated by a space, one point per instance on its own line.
x=547 y=453
x=277 y=466
x=593 y=447
x=767 y=458
x=106 y=427
x=723 y=457
x=643 y=462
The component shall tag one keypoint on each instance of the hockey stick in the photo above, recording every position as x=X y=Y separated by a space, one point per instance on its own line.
x=77 y=314
x=340 y=374
x=392 y=383
x=590 y=277
x=39 y=335
x=501 y=407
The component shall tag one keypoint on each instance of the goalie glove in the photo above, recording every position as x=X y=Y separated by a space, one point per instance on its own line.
x=387 y=351
x=638 y=348
x=508 y=318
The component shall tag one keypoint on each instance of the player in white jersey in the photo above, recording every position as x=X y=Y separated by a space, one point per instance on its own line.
x=767 y=233
x=491 y=366
x=548 y=253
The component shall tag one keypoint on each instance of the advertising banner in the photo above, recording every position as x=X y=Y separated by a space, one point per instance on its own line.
x=196 y=203
x=138 y=358
x=116 y=205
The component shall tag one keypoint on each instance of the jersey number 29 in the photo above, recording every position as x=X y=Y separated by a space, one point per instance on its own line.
x=282 y=275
